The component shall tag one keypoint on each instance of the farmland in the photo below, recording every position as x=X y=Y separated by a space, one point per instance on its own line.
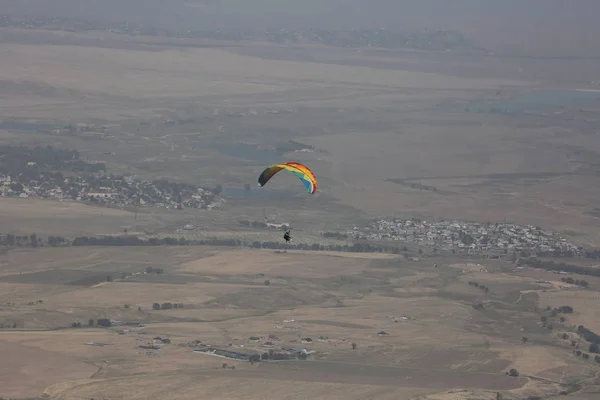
x=391 y=134
x=335 y=299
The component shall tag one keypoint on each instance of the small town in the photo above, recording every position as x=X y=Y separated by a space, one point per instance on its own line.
x=111 y=190
x=60 y=174
x=471 y=237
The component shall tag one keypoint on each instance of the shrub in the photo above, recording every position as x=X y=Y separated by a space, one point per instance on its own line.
x=254 y=358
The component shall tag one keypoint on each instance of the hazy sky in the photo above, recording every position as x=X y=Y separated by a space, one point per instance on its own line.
x=542 y=26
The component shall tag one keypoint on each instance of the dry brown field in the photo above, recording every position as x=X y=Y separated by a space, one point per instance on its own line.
x=334 y=298
x=214 y=113
x=372 y=117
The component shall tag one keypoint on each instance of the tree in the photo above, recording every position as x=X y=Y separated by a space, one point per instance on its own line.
x=420 y=251
x=155 y=306
x=90 y=322
x=267 y=282
x=254 y=358
x=109 y=278
x=33 y=240
x=524 y=339
x=353 y=346
x=513 y=372
x=103 y=322
x=52 y=241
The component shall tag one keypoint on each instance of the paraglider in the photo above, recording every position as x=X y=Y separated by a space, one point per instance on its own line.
x=300 y=170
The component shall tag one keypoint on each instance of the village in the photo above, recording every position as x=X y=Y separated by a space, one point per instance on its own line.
x=252 y=349
x=110 y=190
x=470 y=237
x=256 y=349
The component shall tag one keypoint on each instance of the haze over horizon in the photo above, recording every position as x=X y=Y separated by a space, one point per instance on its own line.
x=512 y=27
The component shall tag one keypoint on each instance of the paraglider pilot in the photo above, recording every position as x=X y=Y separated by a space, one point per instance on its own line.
x=287 y=237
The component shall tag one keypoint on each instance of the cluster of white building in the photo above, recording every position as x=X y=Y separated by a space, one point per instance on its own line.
x=467 y=236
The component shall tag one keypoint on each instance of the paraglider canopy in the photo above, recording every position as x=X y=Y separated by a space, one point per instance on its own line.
x=300 y=170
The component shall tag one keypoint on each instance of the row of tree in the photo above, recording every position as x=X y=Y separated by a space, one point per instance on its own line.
x=535 y=262
x=104 y=322
x=166 y=306
x=586 y=356
x=561 y=309
x=32 y=240
x=128 y=240
x=479 y=286
x=273 y=355
x=577 y=282
x=588 y=334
